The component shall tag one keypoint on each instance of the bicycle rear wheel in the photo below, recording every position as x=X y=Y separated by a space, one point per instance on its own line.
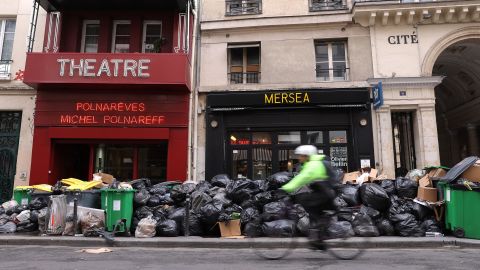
x=348 y=248
x=274 y=248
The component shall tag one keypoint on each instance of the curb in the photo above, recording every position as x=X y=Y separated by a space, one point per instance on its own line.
x=199 y=242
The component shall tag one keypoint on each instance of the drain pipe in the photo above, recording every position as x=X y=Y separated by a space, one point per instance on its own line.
x=191 y=107
x=197 y=36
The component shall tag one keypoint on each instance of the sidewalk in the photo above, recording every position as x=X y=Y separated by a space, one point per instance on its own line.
x=199 y=242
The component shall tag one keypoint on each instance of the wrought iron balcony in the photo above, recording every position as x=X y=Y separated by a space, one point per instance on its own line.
x=5 y=69
x=320 y=5
x=242 y=7
x=241 y=78
x=397 y=1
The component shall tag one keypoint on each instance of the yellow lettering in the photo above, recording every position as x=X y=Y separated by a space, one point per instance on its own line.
x=277 y=99
x=297 y=98
x=284 y=98
x=268 y=98
x=306 y=98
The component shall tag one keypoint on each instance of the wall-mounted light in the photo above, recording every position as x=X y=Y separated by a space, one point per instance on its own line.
x=214 y=123
x=363 y=122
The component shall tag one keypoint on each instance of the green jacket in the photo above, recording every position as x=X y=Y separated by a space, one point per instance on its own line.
x=313 y=170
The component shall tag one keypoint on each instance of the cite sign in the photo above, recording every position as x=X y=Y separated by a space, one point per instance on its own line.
x=106 y=67
x=402 y=39
x=287 y=98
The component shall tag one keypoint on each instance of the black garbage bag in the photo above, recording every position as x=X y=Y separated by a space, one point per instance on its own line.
x=241 y=190
x=345 y=214
x=338 y=202
x=210 y=214
x=303 y=225
x=27 y=226
x=91 y=224
x=141 y=197
x=431 y=225
x=248 y=215
x=400 y=206
x=8 y=227
x=388 y=186
x=179 y=193
x=141 y=183
x=274 y=211
x=279 y=179
x=154 y=201
x=38 y=203
x=34 y=216
x=421 y=212
x=371 y=212
x=250 y=204
x=340 y=229
x=221 y=200
x=279 y=228
x=158 y=189
x=263 y=198
x=363 y=226
x=177 y=214
x=15 y=210
x=166 y=199
x=262 y=185
x=160 y=214
x=350 y=195
x=143 y=212
x=234 y=208
x=134 y=226
x=406 y=188
x=296 y=212
x=2 y=210
x=385 y=227
x=253 y=229
x=195 y=224
x=203 y=186
x=167 y=228
x=407 y=225
x=374 y=196
x=199 y=199
x=221 y=180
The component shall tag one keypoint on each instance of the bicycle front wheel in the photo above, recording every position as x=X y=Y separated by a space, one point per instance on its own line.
x=348 y=248
x=275 y=247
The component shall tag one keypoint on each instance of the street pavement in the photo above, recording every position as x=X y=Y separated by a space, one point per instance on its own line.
x=66 y=258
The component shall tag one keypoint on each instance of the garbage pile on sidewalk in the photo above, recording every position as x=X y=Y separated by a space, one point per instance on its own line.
x=368 y=206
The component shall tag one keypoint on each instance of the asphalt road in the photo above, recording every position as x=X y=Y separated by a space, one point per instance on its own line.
x=65 y=258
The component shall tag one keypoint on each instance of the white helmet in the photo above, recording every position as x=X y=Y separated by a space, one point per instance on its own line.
x=306 y=150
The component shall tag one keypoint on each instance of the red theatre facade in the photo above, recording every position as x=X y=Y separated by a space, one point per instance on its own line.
x=113 y=89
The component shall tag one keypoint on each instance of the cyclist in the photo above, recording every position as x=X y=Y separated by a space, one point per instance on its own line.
x=313 y=190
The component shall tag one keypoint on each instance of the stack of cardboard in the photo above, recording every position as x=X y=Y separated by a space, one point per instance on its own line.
x=357 y=177
x=426 y=191
x=472 y=174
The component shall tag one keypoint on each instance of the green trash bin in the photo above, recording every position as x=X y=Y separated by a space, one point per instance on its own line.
x=22 y=195
x=462 y=211
x=118 y=205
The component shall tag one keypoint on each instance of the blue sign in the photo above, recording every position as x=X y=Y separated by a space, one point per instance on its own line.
x=377 y=91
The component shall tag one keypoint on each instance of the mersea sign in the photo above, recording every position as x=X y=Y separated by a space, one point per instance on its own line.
x=287 y=98
x=104 y=67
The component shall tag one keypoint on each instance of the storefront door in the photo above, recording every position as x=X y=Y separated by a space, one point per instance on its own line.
x=9 y=137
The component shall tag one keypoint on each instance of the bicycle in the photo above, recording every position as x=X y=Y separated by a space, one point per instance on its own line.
x=343 y=248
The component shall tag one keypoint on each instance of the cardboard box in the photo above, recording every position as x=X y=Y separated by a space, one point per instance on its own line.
x=437 y=173
x=425 y=182
x=351 y=177
x=373 y=174
x=473 y=173
x=428 y=194
x=231 y=228
x=105 y=177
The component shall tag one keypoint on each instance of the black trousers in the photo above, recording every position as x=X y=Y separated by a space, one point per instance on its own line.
x=316 y=199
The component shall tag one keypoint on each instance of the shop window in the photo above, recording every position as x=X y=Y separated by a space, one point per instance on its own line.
x=90 y=36
x=338 y=136
x=261 y=138
x=152 y=162
x=119 y=161
x=331 y=61
x=152 y=37
x=288 y=161
x=289 y=137
x=240 y=163
x=244 y=63
x=262 y=163
x=339 y=157
x=239 y=138
x=121 y=37
x=7 y=33
x=314 y=137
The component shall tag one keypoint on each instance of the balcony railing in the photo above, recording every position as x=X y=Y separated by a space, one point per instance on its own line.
x=5 y=69
x=241 y=78
x=242 y=7
x=320 y=5
x=332 y=74
x=398 y=1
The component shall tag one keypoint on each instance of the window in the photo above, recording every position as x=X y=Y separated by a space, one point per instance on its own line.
x=331 y=58
x=244 y=63
x=90 y=36
x=319 y=5
x=7 y=33
x=242 y=7
x=121 y=37
x=152 y=37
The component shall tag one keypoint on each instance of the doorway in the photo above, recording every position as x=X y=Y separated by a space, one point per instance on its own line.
x=10 y=123
x=72 y=161
x=403 y=142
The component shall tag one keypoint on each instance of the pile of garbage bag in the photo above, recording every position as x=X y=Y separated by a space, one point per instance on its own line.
x=22 y=218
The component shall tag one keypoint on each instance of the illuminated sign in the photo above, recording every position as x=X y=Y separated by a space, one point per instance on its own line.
x=287 y=98
x=106 y=67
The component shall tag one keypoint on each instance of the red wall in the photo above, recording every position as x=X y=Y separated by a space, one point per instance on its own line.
x=72 y=23
x=55 y=103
